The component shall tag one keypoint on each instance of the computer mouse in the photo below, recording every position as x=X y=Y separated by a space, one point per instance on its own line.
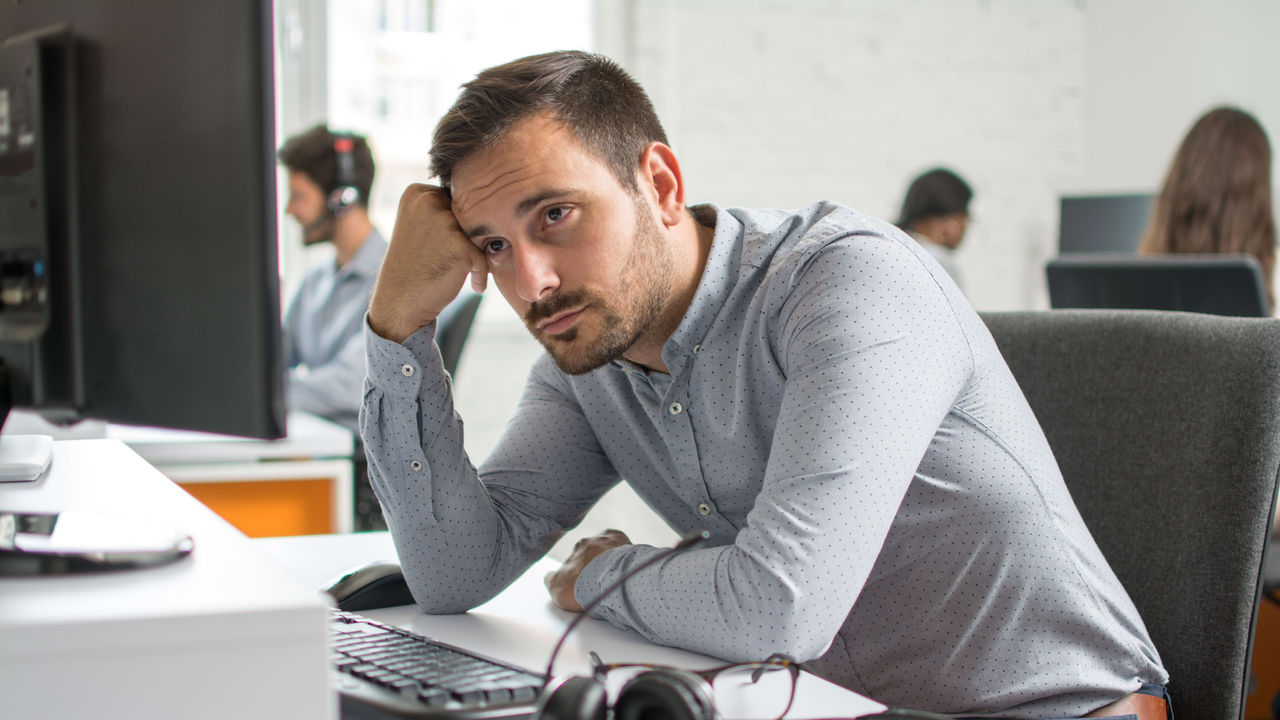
x=370 y=587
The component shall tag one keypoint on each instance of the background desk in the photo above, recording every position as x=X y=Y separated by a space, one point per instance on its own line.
x=301 y=484
x=521 y=626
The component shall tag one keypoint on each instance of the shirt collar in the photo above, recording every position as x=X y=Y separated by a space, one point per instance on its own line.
x=718 y=279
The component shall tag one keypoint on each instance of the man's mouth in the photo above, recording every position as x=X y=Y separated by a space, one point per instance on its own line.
x=561 y=321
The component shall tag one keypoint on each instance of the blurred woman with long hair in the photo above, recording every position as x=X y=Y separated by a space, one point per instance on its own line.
x=1216 y=197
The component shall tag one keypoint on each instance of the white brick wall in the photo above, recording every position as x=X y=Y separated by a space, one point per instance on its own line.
x=781 y=103
x=784 y=103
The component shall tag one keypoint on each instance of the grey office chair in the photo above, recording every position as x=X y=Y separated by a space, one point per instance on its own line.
x=1167 y=429
x=454 y=327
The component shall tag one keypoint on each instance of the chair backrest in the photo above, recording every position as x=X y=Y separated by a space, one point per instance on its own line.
x=1167 y=429
x=453 y=328
x=1216 y=284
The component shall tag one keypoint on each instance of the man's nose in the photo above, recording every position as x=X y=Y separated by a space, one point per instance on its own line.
x=536 y=277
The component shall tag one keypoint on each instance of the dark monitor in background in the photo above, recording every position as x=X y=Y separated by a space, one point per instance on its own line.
x=1214 y=284
x=1102 y=223
x=138 y=274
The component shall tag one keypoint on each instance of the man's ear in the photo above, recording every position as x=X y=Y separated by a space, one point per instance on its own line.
x=659 y=177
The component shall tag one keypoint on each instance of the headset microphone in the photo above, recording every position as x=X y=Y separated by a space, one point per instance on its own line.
x=584 y=697
x=318 y=224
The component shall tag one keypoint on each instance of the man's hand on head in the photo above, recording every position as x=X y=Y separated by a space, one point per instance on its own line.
x=561 y=582
x=424 y=268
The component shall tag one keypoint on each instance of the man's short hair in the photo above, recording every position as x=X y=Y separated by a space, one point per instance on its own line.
x=936 y=193
x=602 y=105
x=312 y=154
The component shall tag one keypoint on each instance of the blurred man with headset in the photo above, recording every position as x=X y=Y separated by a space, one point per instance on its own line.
x=330 y=175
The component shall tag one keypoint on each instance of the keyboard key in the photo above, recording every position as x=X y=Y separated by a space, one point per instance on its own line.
x=468 y=697
x=434 y=696
x=404 y=683
x=524 y=694
x=498 y=696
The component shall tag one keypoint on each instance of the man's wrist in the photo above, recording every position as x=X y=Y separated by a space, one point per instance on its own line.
x=390 y=331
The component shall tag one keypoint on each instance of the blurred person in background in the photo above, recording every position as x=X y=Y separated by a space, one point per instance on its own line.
x=935 y=212
x=330 y=176
x=1216 y=197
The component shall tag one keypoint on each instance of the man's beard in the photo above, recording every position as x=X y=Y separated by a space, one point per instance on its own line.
x=644 y=290
x=318 y=231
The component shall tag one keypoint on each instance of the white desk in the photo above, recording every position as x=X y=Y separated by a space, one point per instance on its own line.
x=220 y=634
x=215 y=468
x=521 y=626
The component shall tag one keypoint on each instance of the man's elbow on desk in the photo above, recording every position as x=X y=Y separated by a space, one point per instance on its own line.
x=793 y=631
x=436 y=591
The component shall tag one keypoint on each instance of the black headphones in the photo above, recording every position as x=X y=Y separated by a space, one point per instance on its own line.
x=665 y=692
x=344 y=194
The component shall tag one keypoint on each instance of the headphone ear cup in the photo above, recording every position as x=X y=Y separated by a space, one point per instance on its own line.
x=578 y=698
x=342 y=199
x=665 y=693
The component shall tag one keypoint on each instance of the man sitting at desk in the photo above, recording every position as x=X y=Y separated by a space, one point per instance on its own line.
x=330 y=175
x=808 y=386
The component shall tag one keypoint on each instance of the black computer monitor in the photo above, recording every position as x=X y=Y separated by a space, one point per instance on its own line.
x=1102 y=223
x=138 y=269
x=1213 y=284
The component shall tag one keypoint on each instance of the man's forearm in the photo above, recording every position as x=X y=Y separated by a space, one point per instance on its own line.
x=455 y=548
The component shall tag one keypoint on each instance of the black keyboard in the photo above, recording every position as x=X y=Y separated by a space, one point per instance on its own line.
x=382 y=671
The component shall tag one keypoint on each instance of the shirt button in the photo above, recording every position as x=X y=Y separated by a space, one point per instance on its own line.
x=416 y=465
x=697 y=349
x=675 y=408
x=406 y=370
x=704 y=509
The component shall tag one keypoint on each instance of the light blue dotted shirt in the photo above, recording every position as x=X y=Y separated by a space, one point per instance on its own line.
x=881 y=501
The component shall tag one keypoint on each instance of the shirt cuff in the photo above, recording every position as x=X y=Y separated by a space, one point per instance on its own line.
x=406 y=368
x=591 y=582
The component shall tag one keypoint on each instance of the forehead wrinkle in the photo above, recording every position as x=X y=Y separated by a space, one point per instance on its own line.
x=528 y=141
x=502 y=180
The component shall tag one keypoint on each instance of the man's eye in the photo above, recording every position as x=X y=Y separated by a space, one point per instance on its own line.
x=495 y=246
x=556 y=214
